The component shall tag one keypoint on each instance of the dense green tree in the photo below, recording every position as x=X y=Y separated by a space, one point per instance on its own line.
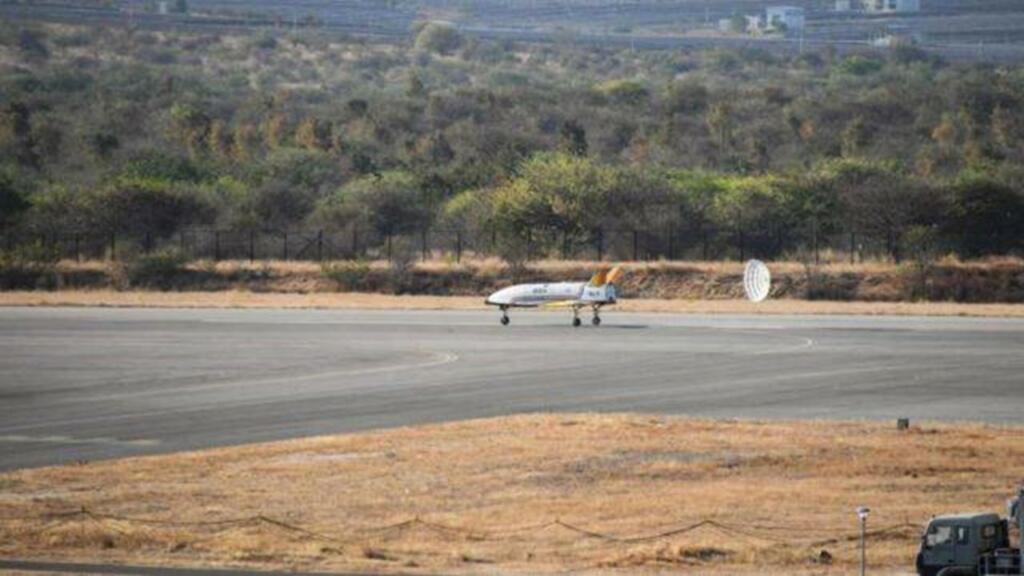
x=439 y=37
x=987 y=216
x=16 y=135
x=12 y=201
x=574 y=138
x=147 y=209
x=390 y=203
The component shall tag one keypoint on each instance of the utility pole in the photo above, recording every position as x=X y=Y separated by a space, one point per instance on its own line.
x=862 y=514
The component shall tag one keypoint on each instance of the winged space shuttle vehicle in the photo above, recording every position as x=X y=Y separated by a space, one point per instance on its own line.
x=598 y=292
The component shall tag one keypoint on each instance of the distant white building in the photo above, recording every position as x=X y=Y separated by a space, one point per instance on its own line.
x=162 y=7
x=892 y=5
x=790 y=18
x=844 y=6
x=897 y=35
x=752 y=24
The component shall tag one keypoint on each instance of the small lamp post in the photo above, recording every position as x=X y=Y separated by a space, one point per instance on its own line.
x=862 y=513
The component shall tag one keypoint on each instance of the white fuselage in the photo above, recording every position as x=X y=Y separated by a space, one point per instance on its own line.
x=530 y=295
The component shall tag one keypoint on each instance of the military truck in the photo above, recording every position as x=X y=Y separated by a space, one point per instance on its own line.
x=972 y=544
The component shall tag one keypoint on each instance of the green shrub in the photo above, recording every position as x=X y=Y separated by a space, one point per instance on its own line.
x=156 y=270
x=29 y=268
x=439 y=37
x=349 y=275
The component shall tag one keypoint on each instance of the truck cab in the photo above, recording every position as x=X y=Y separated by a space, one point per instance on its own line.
x=961 y=544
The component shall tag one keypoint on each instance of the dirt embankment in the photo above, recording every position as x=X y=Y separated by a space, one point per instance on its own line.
x=990 y=281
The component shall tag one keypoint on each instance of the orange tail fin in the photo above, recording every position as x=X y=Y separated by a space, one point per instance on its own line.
x=606 y=276
x=599 y=278
x=614 y=275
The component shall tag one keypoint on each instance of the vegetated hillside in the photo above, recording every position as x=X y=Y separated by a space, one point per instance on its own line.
x=523 y=151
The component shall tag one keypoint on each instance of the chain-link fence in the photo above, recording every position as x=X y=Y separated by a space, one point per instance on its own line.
x=694 y=242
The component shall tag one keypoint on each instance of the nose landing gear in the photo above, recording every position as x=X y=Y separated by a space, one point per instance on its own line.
x=576 y=322
x=504 y=316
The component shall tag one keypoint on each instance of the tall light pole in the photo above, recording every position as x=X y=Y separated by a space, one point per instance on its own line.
x=862 y=513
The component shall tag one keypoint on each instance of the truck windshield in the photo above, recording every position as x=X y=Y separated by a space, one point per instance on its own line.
x=939 y=536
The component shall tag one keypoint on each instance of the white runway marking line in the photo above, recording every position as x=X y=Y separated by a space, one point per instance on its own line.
x=442 y=358
x=807 y=343
x=56 y=439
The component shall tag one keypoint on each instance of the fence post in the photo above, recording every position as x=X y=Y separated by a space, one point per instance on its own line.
x=216 y=245
x=853 y=247
x=458 y=247
x=320 y=245
x=423 y=245
x=355 y=241
x=252 y=245
x=284 y=247
x=600 y=244
x=113 y=245
x=636 y=245
x=389 y=247
x=814 y=238
x=78 y=251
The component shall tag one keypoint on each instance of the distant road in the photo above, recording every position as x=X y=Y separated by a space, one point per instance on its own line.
x=102 y=383
x=397 y=28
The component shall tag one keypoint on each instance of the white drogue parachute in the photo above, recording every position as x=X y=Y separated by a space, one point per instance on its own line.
x=757 y=281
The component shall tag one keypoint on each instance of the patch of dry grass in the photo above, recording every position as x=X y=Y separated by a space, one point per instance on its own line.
x=493 y=265
x=504 y=495
x=363 y=301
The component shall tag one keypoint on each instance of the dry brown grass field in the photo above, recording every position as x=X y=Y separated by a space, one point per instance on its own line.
x=619 y=493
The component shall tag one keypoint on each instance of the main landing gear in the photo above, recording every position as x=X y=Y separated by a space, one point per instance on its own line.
x=576 y=322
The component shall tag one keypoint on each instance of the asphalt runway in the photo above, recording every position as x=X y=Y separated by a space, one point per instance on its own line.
x=85 y=384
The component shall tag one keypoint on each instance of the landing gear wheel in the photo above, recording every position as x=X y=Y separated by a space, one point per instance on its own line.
x=596 y=320
x=504 y=320
x=576 y=322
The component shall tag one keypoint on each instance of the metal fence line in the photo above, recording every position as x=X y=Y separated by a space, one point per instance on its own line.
x=356 y=243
